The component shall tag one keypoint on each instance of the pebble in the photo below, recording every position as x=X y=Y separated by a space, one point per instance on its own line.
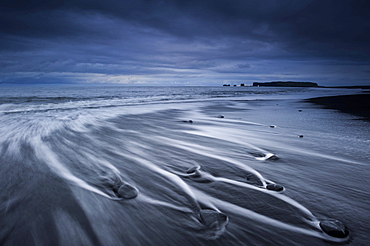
x=127 y=191
x=275 y=187
x=212 y=218
x=334 y=228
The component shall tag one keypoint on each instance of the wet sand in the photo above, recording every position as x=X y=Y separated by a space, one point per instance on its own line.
x=358 y=104
x=205 y=182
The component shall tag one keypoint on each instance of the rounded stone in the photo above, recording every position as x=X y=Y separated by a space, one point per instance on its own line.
x=334 y=228
x=127 y=191
x=275 y=187
x=301 y=136
x=212 y=218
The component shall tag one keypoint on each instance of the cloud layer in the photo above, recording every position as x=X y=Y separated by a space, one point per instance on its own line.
x=184 y=42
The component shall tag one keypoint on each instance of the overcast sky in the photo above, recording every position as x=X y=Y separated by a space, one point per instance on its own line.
x=184 y=42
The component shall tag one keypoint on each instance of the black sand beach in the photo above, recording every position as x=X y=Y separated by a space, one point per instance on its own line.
x=169 y=170
x=358 y=104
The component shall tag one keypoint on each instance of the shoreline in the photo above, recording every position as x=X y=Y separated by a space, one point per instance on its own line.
x=357 y=104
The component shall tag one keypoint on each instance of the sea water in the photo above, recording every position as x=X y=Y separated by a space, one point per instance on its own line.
x=65 y=150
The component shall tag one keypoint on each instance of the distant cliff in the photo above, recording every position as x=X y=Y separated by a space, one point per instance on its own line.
x=286 y=84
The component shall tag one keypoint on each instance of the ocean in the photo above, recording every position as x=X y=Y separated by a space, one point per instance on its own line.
x=120 y=165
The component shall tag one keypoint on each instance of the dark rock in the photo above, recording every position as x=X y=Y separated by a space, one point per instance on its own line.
x=301 y=136
x=299 y=110
x=221 y=116
x=334 y=228
x=253 y=179
x=272 y=126
x=212 y=218
x=127 y=191
x=275 y=187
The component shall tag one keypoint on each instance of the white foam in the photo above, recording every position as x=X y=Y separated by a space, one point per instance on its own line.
x=147 y=199
x=209 y=152
x=249 y=214
x=43 y=152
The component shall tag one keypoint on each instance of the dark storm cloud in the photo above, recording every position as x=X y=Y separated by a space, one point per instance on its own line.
x=197 y=38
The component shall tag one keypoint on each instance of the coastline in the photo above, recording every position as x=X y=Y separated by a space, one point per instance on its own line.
x=187 y=159
x=357 y=104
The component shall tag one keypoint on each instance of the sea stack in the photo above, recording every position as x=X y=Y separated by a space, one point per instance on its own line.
x=286 y=84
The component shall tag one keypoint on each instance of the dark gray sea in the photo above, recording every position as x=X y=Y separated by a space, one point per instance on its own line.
x=198 y=164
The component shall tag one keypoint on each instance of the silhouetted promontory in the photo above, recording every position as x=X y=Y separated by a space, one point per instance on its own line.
x=286 y=84
x=357 y=104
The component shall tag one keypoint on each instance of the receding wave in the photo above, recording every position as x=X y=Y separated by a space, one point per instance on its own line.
x=145 y=175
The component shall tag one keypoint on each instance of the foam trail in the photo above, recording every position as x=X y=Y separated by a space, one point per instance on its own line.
x=214 y=132
x=165 y=173
x=44 y=152
x=232 y=208
x=174 y=178
x=207 y=152
x=111 y=167
x=331 y=157
x=150 y=200
x=266 y=157
x=233 y=121
x=177 y=180
x=277 y=195
x=195 y=149
x=208 y=132
x=272 y=193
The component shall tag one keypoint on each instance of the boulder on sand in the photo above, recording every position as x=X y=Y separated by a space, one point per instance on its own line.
x=127 y=191
x=334 y=228
x=212 y=218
